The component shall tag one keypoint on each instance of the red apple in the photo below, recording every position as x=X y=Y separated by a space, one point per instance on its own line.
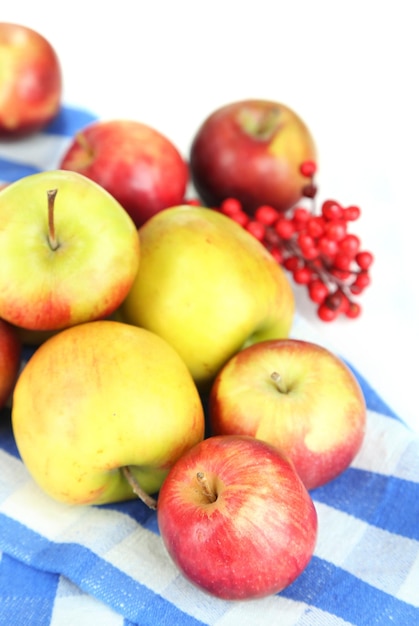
x=299 y=397
x=236 y=518
x=251 y=150
x=10 y=355
x=138 y=165
x=30 y=81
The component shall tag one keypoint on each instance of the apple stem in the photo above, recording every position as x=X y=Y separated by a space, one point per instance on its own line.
x=82 y=141
x=52 y=239
x=279 y=383
x=203 y=482
x=261 y=125
x=142 y=495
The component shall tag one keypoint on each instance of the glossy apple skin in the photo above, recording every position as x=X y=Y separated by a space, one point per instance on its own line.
x=251 y=150
x=30 y=81
x=318 y=420
x=10 y=356
x=256 y=537
x=100 y=396
x=208 y=287
x=138 y=165
x=87 y=276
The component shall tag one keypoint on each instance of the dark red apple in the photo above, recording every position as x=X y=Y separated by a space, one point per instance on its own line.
x=30 y=81
x=251 y=150
x=10 y=356
x=135 y=163
x=236 y=518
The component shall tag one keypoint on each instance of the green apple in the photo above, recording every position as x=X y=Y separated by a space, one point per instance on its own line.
x=69 y=252
x=98 y=398
x=208 y=287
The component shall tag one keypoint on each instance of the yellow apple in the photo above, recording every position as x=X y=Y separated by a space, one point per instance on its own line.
x=207 y=287
x=100 y=397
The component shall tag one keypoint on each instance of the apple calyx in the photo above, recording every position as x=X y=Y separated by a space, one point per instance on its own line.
x=207 y=492
x=260 y=124
x=52 y=239
x=279 y=383
x=137 y=489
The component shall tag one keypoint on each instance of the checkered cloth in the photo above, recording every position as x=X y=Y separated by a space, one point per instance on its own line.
x=64 y=565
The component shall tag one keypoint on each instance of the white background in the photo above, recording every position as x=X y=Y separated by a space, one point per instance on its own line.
x=349 y=69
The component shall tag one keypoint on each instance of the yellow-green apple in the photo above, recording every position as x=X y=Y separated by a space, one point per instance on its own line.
x=251 y=150
x=10 y=356
x=236 y=518
x=298 y=396
x=30 y=80
x=98 y=398
x=138 y=165
x=208 y=287
x=69 y=252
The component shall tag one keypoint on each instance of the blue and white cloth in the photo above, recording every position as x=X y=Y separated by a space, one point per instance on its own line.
x=62 y=565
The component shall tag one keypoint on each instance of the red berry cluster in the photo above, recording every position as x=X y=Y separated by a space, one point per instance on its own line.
x=317 y=249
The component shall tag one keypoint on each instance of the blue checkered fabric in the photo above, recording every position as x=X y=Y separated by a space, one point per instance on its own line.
x=62 y=565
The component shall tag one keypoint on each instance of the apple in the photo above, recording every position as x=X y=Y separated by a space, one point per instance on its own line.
x=10 y=357
x=299 y=397
x=251 y=150
x=30 y=81
x=208 y=287
x=236 y=518
x=138 y=165
x=69 y=252
x=98 y=399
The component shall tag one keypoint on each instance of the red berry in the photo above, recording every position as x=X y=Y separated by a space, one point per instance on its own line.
x=305 y=241
x=266 y=214
x=230 y=206
x=364 y=259
x=332 y=210
x=310 y=253
x=327 y=246
x=334 y=300
x=351 y=213
x=317 y=290
x=326 y=314
x=315 y=226
x=309 y=191
x=354 y=310
x=277 y=254
x=193 y=202
x=301 y=215
x=284 y=228
x=291 y=263
x=302 y=275
x=240 y=217
x=272 y=238
x=335 y=230
x=344 y=304
x=362 y=280
x=340 y=274
x=342 y=261
x=350 y=245
x=256 y=229
x=308 y=168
